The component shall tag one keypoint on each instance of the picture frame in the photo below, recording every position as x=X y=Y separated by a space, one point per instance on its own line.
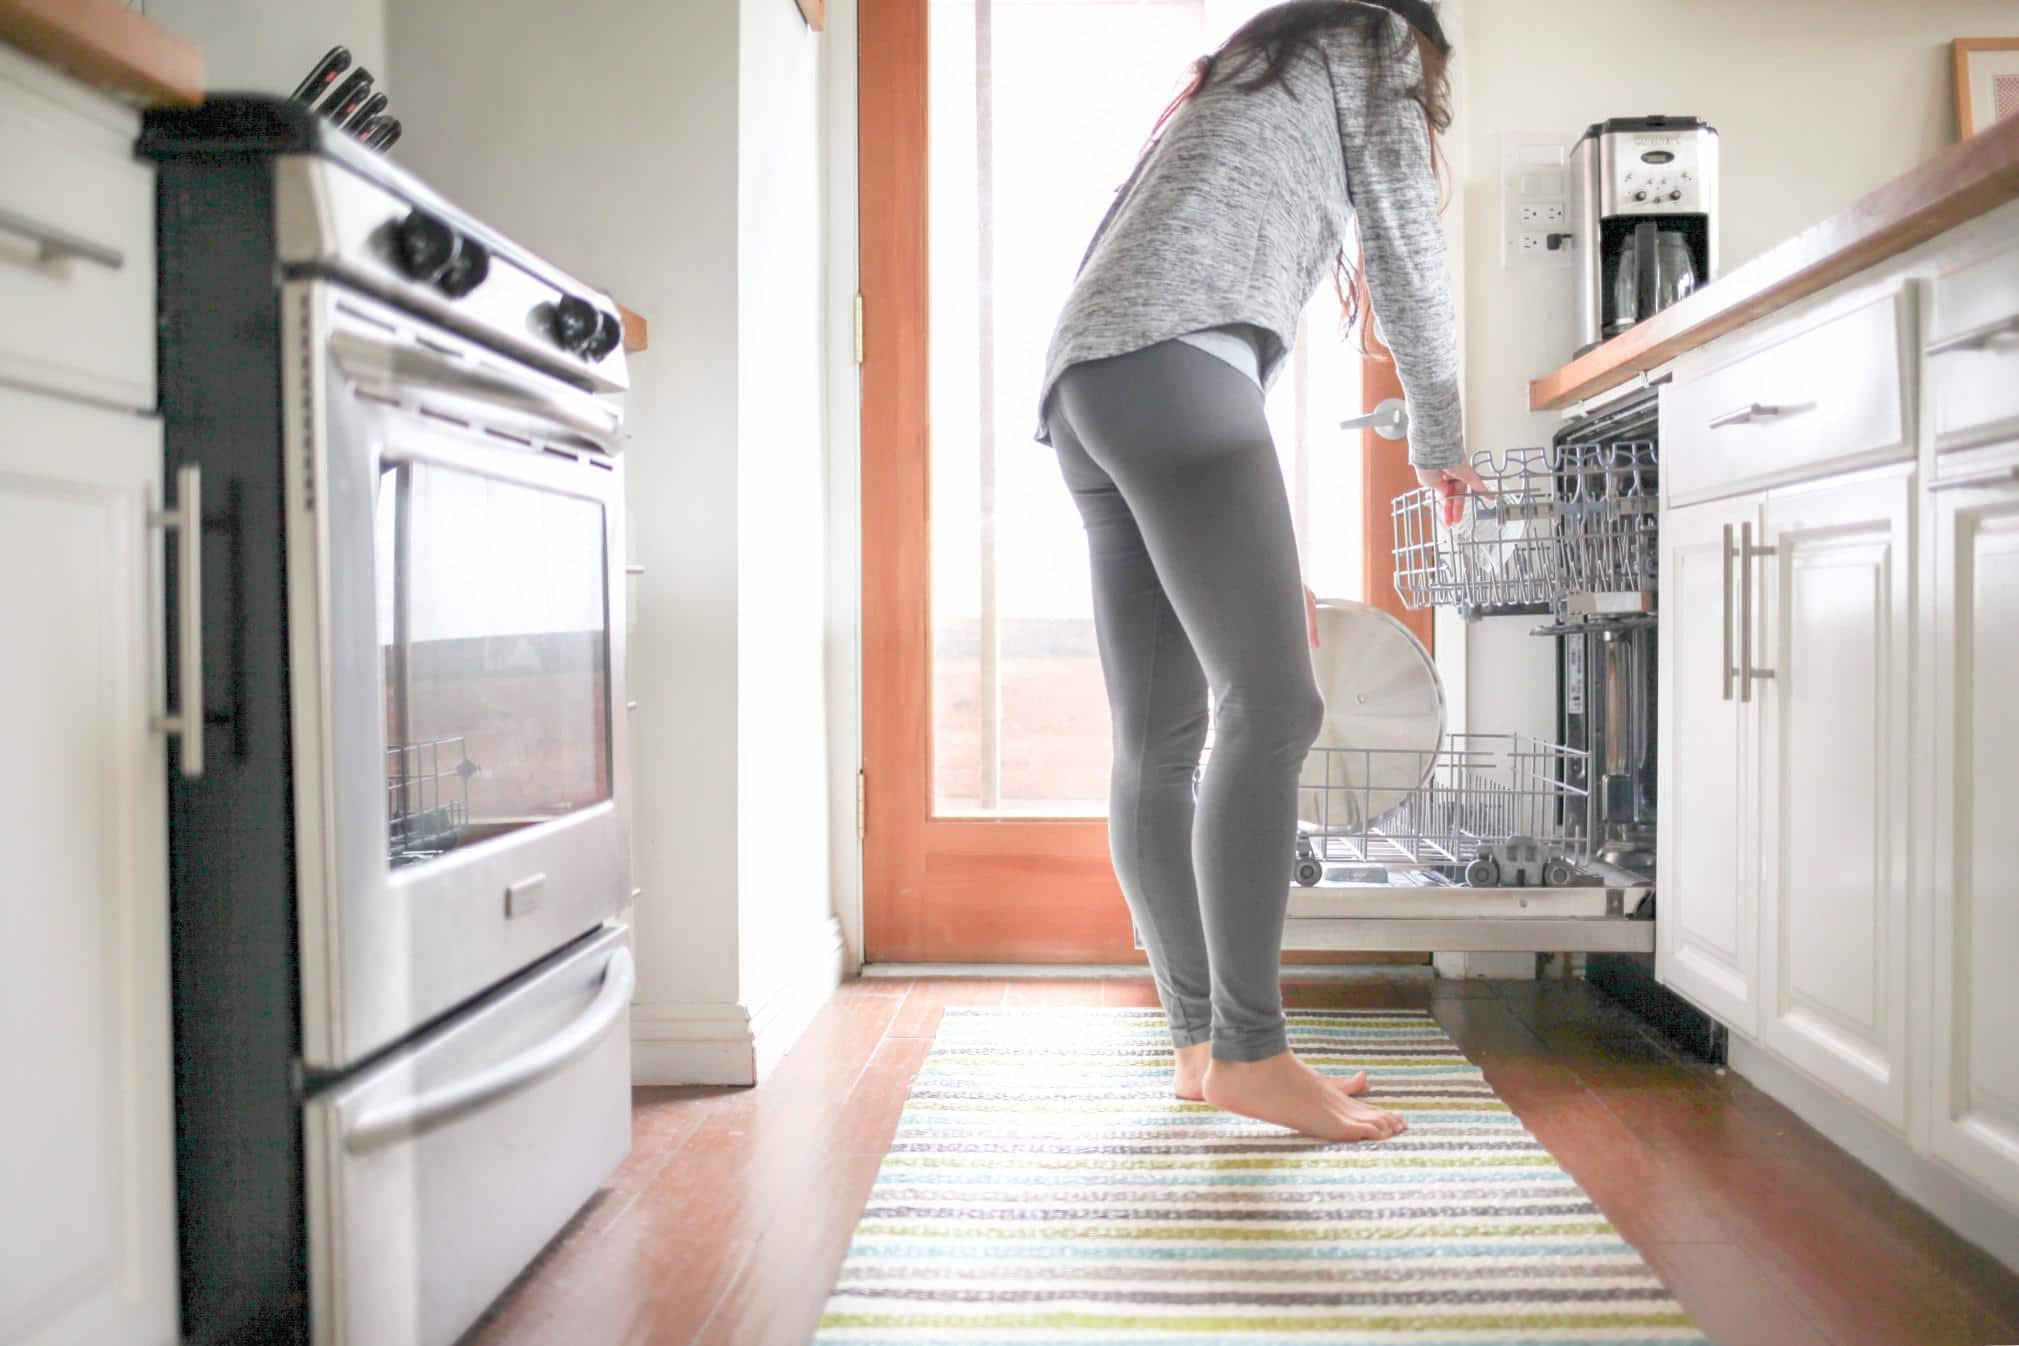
x=1987 y=81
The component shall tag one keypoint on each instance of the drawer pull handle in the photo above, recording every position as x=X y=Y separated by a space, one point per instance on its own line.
x=186 y=522
x=1976 y=338
x=1997 y=476
x=574 y=1040
x=1731 y=552
x=1752 y=411
x=51 y=242
x=1747 y=551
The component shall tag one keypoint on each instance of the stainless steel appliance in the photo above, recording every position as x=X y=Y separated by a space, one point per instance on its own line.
x=401 y=995
x=1643 y=217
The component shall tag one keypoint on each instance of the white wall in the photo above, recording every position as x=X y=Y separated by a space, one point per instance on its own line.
x=1816 y=102
x=673 y=154
x=781 y=500
x=266 y=46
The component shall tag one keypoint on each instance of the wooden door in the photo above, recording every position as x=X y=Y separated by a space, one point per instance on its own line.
x=991 y=862
x=87 y=1200
x=1707 y=936
x=1834 y=596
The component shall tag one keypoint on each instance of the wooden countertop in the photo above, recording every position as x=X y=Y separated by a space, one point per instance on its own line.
x=107 y=45
x=1962 y=182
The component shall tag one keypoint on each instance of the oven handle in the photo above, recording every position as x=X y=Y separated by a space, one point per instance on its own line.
x=424 y=1110
x=411 y=368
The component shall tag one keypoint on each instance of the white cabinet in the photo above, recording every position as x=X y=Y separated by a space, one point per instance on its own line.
x=87 y=1213
x=1785 y=804
x=1706 y=938
x=1831 y=650
x=1974 y=1119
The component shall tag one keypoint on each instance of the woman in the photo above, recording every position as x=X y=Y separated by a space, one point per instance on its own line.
x=1185 y=306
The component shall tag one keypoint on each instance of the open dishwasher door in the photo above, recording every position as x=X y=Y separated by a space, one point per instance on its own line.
x=1499 y=842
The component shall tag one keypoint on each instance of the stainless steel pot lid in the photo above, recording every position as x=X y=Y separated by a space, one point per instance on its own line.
x=1384 y=718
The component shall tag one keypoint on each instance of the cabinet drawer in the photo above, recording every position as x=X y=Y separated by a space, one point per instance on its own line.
x=76 y=245
x=1825 y=397
x=1973 y=353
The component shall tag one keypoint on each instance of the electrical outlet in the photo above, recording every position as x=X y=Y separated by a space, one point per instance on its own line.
x=1542 y=212
x=1530 y=244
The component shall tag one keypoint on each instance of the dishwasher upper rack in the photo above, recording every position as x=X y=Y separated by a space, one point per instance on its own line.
x=1563 y=529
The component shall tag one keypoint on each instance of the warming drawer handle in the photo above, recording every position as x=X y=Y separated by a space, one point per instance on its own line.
x=51 y=242
x=1976 y=338
x=415 y=1114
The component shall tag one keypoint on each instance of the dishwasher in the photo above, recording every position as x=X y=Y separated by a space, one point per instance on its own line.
x=1485 y=842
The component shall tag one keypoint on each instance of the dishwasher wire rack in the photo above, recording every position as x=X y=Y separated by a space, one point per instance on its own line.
x=427 y=803
x=1553 y=524
x=1491 y=809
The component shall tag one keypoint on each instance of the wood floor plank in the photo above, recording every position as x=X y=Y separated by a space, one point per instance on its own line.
x=869 y=1118
x=1735 y=1299
x=777 y=1298
x=1051 y=992
x=1130 y=992
x=918 y=1014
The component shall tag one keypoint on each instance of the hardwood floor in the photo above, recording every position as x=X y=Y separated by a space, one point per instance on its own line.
x=726 y=1225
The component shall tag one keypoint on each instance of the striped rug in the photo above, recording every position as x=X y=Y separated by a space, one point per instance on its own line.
x=1044 y=1186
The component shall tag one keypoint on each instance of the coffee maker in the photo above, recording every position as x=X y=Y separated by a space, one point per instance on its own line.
x=1643 y=217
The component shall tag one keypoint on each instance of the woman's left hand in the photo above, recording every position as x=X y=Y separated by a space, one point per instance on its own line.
x=1311 y=616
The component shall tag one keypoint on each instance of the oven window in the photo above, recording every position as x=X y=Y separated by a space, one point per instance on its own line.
x=494 y=632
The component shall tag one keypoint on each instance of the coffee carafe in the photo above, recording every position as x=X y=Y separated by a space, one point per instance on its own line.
x=1644 y=230
x=1654 y=268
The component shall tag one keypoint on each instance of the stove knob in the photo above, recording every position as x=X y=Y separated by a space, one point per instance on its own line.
x=424 y=245
x=1640 y=196
x=1675 y=196
x=466 y=270
x=609 y=332
x=574 y=323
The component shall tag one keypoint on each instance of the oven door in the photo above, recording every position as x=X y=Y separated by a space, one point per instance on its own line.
x=455 y=535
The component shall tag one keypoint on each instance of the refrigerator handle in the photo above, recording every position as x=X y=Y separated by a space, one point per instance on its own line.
x=582 y=1033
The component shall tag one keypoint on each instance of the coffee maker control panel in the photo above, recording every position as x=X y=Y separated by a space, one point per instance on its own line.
x=1651 y=173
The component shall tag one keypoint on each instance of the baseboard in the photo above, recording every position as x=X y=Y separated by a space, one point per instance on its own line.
x=792 y=1000
x=1978 y=1218
x=692 y=1042
x=738 y=1043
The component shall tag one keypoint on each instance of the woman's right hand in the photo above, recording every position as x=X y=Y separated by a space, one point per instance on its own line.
x=1453 y=483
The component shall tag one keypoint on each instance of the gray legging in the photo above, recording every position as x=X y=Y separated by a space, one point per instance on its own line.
x=1196 y=584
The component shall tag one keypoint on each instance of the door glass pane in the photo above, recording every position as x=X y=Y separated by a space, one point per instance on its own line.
x=496 y=657
x=1037 y=111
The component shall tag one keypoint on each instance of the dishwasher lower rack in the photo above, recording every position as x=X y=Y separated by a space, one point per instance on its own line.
x=1565 y=529
x=1487 y=810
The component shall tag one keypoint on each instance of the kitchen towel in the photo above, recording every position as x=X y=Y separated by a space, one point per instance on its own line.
x=1044 y=1187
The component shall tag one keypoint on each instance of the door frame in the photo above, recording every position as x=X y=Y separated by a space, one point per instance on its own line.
x=955 y=889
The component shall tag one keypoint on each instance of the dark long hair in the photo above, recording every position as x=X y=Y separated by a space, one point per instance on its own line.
x=1261 y=51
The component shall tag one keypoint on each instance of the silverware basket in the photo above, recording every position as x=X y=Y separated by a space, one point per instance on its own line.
x=1554 y=526
x=1492 y=809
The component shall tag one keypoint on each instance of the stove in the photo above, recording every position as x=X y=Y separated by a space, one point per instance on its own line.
x=400 y=840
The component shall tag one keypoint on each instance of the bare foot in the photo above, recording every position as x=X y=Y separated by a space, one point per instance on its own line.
x=1289 y=1093
x=1189 y=1080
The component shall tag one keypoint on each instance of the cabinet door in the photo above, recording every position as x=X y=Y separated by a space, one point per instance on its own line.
x=87 y=1215
x=1707 y=924
x=1832 y=622
x=1975 y=627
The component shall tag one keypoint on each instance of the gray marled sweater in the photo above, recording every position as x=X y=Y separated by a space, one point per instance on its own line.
x=1236 y=213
